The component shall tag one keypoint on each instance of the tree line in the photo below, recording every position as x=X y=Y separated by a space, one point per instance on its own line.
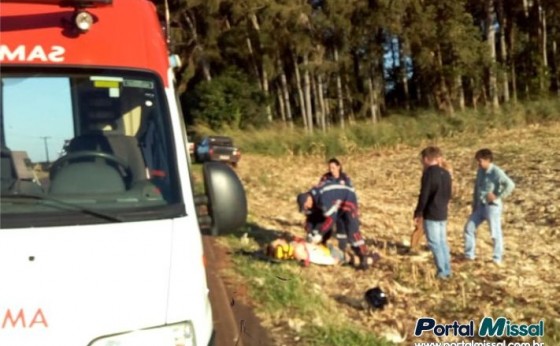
x=324 y=63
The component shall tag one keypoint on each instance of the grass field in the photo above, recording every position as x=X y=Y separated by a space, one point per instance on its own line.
x=324 y=305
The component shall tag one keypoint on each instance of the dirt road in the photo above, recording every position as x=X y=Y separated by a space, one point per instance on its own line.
x=234 y=321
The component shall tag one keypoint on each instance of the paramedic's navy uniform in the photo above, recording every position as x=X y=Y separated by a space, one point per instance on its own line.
x=314 y=220
x=339 y=202
x=341 y=233
x=343 y=179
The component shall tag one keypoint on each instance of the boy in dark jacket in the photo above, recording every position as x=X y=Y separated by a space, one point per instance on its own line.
x=432 y=207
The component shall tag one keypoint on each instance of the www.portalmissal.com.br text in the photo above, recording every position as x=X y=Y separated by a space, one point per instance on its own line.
x=481 y=343
x=500 y=328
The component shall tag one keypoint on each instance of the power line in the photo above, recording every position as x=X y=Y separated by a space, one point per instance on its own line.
x=20 y=134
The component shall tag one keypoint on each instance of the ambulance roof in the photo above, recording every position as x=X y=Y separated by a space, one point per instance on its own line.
x=124 y=34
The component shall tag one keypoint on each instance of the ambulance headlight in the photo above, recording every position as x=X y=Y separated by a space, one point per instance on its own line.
x=83 y=20
x=180 y=334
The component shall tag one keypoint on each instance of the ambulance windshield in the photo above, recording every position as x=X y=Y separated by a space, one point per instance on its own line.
x=98 y=142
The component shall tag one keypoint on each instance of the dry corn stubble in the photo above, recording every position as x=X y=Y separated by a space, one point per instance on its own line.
x=526 y=289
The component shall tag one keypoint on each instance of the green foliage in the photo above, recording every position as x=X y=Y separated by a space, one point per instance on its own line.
x=230 y=100
x=341 y=335
x=430 y=54
x=279 y=140
x=552 y=332
x=282 y=291
x=197 y=179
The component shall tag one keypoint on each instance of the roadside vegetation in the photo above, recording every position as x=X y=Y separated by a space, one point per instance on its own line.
x=299 y=304
x=372 y=82
x=303 y=311
x=397 y=129
x=325 y=306
x=325 y=64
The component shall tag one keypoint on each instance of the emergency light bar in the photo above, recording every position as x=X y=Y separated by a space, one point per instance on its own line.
x=65 y=3
x=82 y=19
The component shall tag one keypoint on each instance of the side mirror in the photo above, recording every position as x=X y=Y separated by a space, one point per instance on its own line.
x=227 y=202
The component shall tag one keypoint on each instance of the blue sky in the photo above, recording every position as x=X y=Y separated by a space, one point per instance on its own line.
x=35 y=108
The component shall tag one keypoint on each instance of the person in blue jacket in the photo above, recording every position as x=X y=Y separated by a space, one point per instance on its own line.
x=336 y=174
x=325 y=205
x=492 y=186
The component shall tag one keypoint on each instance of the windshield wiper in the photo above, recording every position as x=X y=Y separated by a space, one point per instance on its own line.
x=60 y=203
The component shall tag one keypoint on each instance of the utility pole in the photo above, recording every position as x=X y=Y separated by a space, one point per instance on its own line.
x=45 y=138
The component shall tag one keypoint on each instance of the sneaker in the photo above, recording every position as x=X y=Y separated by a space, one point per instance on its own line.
x=464 y=258
x=444 y=277
x=498 y=264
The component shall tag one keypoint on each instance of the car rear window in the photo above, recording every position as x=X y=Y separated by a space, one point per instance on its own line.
x=226 y=142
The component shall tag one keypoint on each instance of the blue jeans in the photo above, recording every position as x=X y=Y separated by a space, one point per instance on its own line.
x=493 y=214
x=436 y=234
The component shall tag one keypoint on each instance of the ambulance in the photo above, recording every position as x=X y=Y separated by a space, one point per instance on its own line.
x=100 y=242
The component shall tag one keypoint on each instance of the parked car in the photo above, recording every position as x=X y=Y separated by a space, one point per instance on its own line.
x=217 y=148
